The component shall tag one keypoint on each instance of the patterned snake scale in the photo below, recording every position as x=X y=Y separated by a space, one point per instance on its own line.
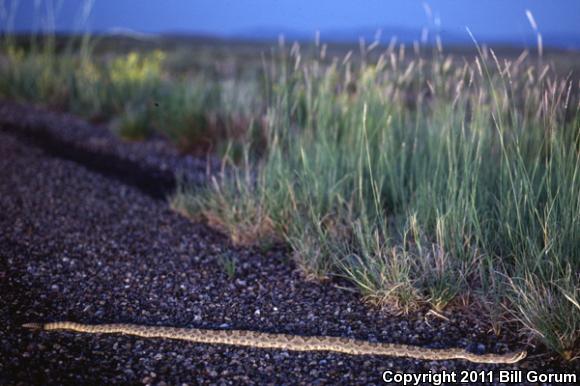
x=281 y=341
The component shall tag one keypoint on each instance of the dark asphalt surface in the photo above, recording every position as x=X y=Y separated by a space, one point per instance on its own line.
x=78 y=245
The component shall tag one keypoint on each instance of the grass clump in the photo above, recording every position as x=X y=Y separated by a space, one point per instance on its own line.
x=549 y=311
x=235 y=208
x=228 y=264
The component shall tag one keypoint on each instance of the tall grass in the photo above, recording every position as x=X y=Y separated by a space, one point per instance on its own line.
x=420 y=181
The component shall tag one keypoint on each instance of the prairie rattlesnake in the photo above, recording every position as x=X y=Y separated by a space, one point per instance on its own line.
x=282 y=341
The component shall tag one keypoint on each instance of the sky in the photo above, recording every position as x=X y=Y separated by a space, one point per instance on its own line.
x=494 y=19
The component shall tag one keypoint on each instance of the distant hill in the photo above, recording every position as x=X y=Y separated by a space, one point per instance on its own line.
x=407 y=35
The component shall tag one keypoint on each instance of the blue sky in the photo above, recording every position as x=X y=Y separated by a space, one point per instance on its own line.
x=495 y=19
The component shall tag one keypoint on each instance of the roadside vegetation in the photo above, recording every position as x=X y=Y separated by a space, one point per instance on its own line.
x=420 y=177
x=135 y=92
x=420 y=182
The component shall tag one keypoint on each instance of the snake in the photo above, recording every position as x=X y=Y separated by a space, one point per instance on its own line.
x=255 y=339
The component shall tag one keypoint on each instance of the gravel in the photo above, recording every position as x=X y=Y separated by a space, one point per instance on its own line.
x=80 y=245
x=150 y=165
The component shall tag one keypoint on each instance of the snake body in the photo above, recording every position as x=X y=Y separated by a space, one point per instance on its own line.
x=281 y=341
